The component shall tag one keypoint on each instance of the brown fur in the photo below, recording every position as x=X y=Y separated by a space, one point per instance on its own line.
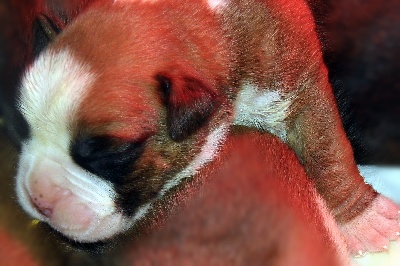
x=293 y=63
x=241 y=215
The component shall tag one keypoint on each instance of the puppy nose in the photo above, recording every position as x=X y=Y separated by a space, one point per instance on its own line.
x=44 y=208
x=45 y=195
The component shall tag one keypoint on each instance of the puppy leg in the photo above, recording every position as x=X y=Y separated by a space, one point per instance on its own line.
x=368 y=220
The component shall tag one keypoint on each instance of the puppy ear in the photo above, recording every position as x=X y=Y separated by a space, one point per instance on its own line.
x=190 y=102
x=45 y=29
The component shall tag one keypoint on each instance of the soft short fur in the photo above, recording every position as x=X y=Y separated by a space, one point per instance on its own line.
x=237 y=212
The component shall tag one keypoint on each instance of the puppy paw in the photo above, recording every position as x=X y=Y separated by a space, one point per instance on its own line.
x=372 y=230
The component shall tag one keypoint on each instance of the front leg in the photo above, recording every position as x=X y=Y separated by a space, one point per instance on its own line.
x=314 y=130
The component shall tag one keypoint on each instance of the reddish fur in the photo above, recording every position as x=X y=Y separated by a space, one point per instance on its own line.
x=243 y=215
x=12 y=252
x=186 y=90
x=132 y=75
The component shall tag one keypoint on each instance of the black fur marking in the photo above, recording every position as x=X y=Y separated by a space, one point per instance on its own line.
x=109 y=158
x=185 y=120
x=189 y=102
x=45 y=30
x=141 y=187
x=165 y=85
x=129 y=201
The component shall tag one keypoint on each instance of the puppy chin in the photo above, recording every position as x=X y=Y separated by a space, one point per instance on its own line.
x=99 y=228
x=78 y=204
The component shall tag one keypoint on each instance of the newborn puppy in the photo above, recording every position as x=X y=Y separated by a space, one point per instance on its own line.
x=134 y=97
x=241 y=213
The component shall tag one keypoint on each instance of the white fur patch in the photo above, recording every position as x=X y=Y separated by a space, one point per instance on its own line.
x=89 y=189
x=51 y=91
x=207 y=153
x=217 y=4
x=262 y=109
x=94 y=191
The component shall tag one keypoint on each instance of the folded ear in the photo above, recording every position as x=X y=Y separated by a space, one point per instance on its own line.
x=45 y=28
x=190 y=102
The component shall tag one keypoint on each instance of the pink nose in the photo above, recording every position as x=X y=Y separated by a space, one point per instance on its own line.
x=45 y=195
x=42 y=206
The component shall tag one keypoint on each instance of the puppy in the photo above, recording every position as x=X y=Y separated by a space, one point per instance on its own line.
x=134 y=97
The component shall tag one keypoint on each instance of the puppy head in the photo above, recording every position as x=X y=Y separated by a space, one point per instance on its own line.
x=122 y=106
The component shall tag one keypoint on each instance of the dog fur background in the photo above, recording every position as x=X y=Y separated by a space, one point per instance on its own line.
x=361 y=45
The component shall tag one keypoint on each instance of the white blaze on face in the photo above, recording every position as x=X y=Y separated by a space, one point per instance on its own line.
x=51 y=92
x=50 y=185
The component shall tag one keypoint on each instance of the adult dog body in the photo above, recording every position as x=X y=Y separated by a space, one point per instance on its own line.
x=136 y=96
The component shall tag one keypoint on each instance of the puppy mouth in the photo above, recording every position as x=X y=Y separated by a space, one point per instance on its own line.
x=77 y=221
x=97 y=229
x=52 y=189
